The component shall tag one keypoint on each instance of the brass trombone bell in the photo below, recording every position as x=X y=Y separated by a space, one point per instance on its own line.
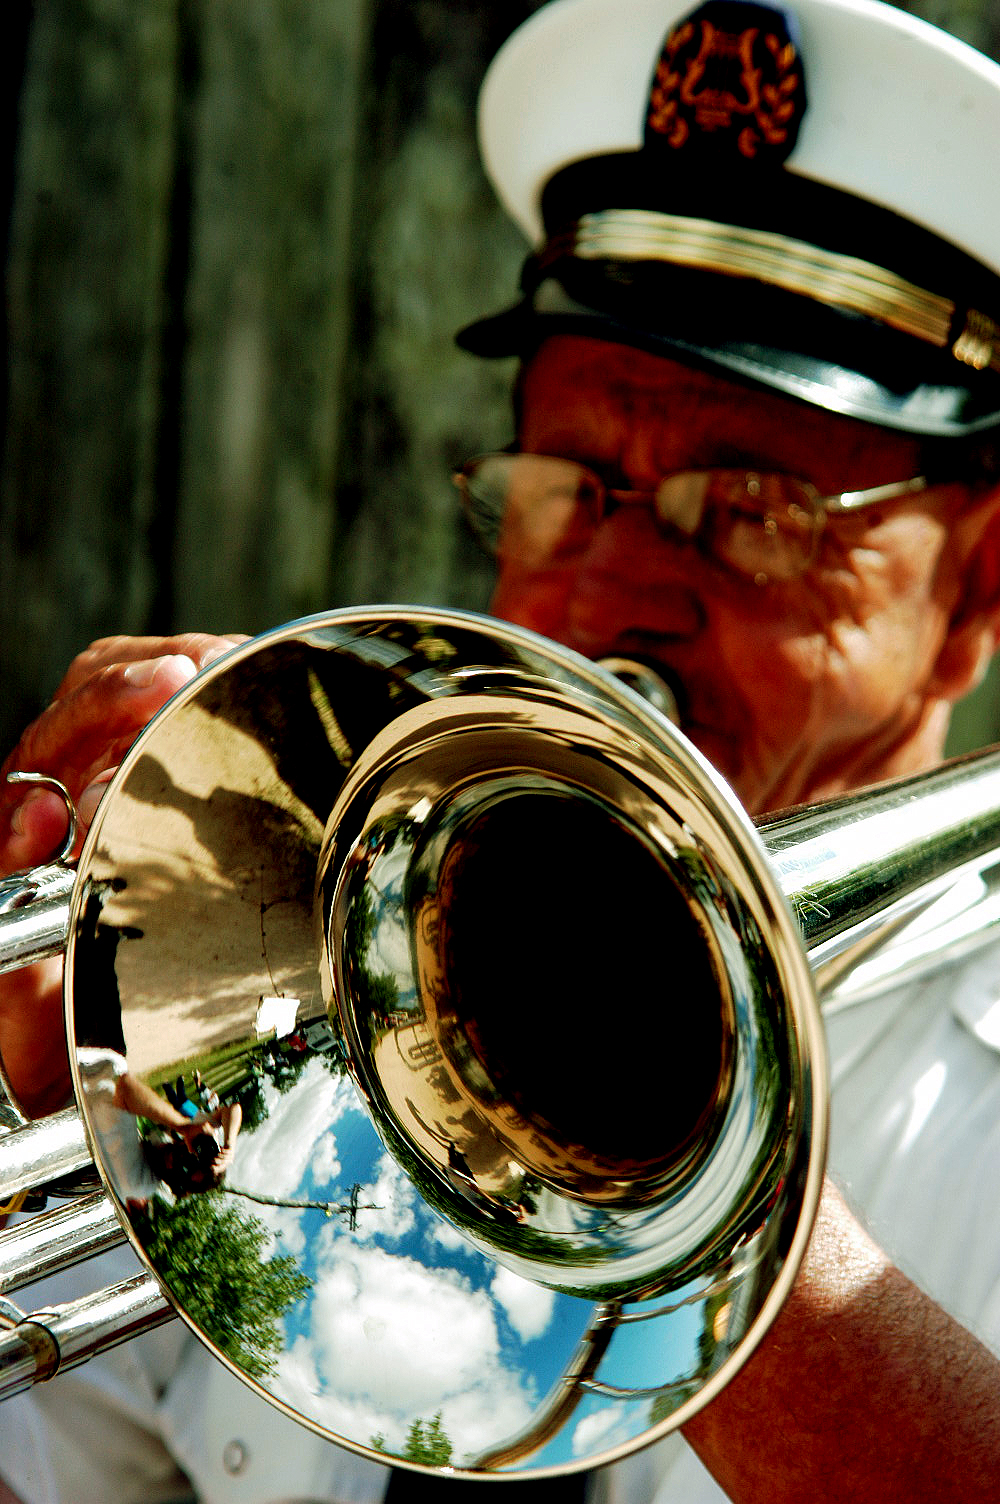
x=522 y=1025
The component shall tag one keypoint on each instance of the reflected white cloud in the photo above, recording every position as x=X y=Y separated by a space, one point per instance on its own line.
x=599 y=1431
x=287 y=1228
x=528 y=1306
x=295 y=1147
x=297 y=1383
x=390 y=1340
x=394 y=1198
x=390 y=947
x=297 y=1136
x=387 y=1322
x=445 y=1236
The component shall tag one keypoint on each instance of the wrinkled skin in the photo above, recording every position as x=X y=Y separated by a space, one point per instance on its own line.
x=796 y=690
x=107 y=696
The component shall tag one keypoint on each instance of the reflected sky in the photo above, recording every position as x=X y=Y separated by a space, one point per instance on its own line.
x=406 y=1318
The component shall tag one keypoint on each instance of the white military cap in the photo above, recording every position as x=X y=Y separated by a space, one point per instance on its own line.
x=806 y=196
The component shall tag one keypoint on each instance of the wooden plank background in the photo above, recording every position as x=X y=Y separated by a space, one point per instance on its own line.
x=241 y=237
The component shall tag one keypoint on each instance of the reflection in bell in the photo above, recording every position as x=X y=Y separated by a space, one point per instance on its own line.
x=564 y=1029
x=553 y=928
x=551 y=995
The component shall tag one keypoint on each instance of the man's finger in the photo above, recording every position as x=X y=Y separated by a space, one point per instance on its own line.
x=36 y=829
x=201 y=647
x=88 y=729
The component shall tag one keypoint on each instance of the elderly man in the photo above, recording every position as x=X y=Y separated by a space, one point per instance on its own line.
x=751 y=458
x=754 y=463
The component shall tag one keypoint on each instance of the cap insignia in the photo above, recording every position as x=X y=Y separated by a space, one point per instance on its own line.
x=729 y=84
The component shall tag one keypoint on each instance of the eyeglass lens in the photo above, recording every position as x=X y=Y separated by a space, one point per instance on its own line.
x=761 y=525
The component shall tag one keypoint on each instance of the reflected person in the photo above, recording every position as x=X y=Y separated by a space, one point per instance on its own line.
x=171 y=1154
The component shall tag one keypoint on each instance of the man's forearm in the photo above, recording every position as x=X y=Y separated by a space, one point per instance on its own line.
x=864 y=1389
x=230 y=1119
x=134 y=1096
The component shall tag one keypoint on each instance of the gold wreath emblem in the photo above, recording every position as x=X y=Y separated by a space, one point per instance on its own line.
x=681 y=94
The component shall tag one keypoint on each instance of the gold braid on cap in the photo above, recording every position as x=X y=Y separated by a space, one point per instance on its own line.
x=793 y=265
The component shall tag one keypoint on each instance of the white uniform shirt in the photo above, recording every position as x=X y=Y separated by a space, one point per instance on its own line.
x=915 y=1147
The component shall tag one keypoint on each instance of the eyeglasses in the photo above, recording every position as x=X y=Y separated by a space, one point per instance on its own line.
x=764 y=526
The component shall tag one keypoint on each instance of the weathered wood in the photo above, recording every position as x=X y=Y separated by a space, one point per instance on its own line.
x=435 y=252
x=273 y=149
x=85 y=307
x=243 y=233
x=243 y=236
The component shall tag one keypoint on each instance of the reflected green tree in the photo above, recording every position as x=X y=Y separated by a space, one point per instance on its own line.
x=212 y=1257
x=671 y=1399
x=254 y=1106
x=283 y=1068
x=379 y=990
x=426 y=1442
x=334 y=1065
x=360 y=929
x=383 y=993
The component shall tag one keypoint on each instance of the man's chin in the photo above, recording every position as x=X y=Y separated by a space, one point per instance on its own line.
x=717 y=750
x=754 y=793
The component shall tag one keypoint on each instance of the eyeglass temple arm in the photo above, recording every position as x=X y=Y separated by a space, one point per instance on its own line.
x=853 y=501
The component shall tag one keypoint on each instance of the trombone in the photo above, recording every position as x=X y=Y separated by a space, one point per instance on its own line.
x=549 y=999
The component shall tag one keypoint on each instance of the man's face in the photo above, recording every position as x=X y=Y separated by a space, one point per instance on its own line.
x=797 y=689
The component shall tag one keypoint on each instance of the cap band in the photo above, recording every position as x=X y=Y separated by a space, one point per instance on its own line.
x=828 y=277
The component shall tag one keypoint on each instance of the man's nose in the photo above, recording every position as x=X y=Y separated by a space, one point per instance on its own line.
x=636 y=579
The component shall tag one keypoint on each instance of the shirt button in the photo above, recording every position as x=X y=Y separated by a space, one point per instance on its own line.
x=235 y=1457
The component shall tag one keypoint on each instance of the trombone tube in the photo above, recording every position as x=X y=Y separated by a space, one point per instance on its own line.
x=55 y=1240
x=48 y=1342
x=848 y=865
x=41 y=1152
x=35 y=909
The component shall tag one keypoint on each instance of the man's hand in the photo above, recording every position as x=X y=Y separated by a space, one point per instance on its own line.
x=228 y=1118
x=107 y=696
x=109 y=693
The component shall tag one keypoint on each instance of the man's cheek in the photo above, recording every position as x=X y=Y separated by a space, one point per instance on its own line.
x=534 y=599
